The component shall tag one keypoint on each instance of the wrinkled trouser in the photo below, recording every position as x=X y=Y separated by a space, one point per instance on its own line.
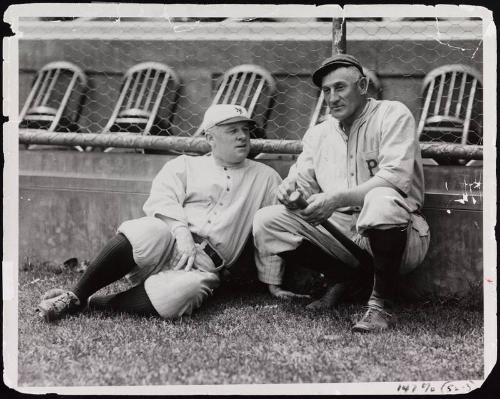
x=277 y=229
x=173 y=293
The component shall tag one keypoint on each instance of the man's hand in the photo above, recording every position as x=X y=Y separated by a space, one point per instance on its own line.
x=185 y=249
x=320 y=207
x=277 y=292
x=287 y=187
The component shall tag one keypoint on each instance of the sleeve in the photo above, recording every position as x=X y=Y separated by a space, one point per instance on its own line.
x=168 y=192
x=303 y=170
x=273 y=182
x=398 y=145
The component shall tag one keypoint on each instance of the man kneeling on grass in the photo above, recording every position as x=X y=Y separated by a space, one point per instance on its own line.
x=199 y=215
x=361 y=171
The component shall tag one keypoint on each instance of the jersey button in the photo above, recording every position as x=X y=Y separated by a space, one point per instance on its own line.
x=227 y=189
x=352 y=174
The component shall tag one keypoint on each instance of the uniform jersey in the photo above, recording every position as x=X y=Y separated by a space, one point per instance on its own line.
x=214 y=202
x=382 y=142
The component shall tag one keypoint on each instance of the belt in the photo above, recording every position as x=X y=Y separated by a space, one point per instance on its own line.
x=218 y=261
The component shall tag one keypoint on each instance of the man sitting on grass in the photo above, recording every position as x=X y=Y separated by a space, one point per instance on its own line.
x=198 y=217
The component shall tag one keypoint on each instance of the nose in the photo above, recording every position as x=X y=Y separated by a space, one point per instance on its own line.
x=243 y=134
x=332 y=97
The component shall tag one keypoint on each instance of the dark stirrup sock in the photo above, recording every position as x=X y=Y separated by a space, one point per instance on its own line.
x=135 y=300
x=113 y=262
x=388 y=248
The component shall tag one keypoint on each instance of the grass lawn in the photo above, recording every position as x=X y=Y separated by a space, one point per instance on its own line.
x=243 y=338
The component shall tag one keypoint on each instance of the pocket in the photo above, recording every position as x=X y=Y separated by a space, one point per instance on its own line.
x=368 y=164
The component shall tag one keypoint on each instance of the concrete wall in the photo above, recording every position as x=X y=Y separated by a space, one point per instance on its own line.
x=71 y=203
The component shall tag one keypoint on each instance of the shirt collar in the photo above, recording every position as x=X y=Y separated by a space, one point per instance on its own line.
x=225 y=167
x=370 y=102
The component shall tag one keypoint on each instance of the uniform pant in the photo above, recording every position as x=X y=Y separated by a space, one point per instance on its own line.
x=277 y=229
x=173 y=293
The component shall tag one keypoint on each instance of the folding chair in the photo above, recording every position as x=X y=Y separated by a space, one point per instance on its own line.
x=321 y=110
x=252 y=87
x=56 y=99
x=147 y=101
x=452 y=110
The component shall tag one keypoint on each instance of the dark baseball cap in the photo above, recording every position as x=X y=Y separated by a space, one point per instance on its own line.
x=334 y=62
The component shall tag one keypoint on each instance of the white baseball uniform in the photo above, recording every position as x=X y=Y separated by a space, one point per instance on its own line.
x=216 y=203
x=382 y=142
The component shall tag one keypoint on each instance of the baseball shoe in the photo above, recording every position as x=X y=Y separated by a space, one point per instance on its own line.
x=58 y=303
x=374 y=319
x=52 y=293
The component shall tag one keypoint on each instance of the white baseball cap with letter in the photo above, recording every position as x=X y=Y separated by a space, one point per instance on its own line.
x=223 y=114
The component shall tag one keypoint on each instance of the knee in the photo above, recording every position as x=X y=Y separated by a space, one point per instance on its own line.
x=265 y=218
x=383 y=207
x=175 y=294
x=380 y=196
x=384 y=201
x=198 y=286
x=150 y=239
x=147 y=226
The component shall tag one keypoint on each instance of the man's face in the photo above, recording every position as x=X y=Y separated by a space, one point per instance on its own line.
x=230 y=143
x=343 y=88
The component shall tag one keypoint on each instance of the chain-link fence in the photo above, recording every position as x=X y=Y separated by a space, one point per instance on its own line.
x=438 y=73
x=183 y=63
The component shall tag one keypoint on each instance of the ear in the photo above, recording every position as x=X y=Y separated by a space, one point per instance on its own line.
x=209 y=136
x=363 y=85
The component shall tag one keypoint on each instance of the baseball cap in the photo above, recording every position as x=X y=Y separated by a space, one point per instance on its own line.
x=331 y=63
x=222 y=114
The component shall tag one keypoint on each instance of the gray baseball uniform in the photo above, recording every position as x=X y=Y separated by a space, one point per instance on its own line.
x=217 y=204
x=382 y=142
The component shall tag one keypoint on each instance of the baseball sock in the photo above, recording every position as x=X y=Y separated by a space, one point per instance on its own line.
x=134 y=300
x=388 y=247
x=113 y=262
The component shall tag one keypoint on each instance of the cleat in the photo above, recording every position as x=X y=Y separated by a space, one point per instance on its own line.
x=58 y=306
x=375 y=319
x=52 y=293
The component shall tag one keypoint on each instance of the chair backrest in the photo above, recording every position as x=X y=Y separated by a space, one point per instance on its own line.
x=321 y=109
x=452 y=109
x=50 y=95
x=145 y=87
x=250 y=86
